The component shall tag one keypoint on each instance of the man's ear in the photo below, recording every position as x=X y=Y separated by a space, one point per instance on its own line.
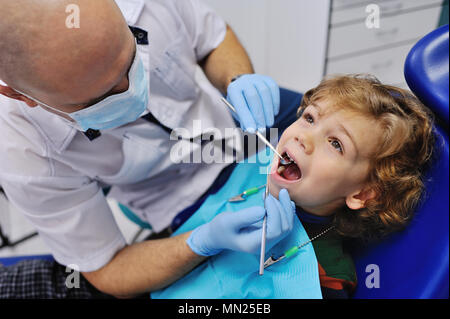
x=358 y=199
x=12 y=94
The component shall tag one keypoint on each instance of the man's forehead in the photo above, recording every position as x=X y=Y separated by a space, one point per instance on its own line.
x=122 y=71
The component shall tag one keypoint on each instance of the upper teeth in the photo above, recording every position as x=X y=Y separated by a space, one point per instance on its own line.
x=290 y=159
x=286 y=160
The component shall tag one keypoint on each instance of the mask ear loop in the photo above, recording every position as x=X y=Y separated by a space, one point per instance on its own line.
x=72 y=123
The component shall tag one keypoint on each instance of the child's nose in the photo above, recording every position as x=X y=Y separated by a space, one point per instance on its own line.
x=306 y=142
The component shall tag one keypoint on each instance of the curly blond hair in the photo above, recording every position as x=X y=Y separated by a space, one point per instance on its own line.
x=401 y=159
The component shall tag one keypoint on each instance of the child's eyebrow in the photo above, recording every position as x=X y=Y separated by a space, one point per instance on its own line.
x=350 y=136
x=319 y=110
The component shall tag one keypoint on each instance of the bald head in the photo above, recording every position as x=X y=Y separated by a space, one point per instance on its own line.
x=42 y=57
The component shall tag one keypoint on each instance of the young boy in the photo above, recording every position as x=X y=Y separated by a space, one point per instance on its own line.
x=359 y=149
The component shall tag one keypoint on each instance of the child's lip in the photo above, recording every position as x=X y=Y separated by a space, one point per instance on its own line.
x=285 y=150
x=274 y=171
x=280 y=180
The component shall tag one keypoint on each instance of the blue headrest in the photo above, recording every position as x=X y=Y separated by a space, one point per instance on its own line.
x=426 y=71
x=415 y=262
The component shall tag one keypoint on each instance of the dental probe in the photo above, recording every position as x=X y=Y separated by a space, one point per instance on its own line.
x=282 y=160
x=263 y=236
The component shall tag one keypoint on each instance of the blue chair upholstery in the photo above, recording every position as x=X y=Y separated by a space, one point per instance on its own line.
x=415 y=262
x=9 y=261
x=426 y=71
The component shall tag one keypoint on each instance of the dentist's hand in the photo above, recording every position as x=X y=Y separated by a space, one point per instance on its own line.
x=256 y=99
x=241 y=231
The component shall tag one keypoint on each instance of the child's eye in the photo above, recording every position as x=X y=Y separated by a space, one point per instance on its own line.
x=337 y=145
x=308 y=118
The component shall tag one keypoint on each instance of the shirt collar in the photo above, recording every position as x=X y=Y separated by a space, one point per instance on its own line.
x=312 y=219
x=53 y=128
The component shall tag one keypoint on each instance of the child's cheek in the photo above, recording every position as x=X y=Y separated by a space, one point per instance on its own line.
x=287 y=135
x=274 y=189
x=284 y=137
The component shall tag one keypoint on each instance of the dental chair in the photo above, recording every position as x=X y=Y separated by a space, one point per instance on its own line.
x=415 y=263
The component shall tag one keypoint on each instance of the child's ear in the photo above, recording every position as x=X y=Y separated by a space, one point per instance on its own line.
x=358 y=199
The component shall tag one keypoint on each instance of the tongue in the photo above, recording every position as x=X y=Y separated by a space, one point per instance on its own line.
x=292 y=172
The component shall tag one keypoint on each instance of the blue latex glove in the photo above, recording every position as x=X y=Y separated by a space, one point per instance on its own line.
x=242 y=230
x=256 y=99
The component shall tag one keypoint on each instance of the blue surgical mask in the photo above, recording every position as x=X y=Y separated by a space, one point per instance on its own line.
x=115 y=110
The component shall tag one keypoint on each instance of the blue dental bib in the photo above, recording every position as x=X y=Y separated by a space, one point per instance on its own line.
x=234 y=275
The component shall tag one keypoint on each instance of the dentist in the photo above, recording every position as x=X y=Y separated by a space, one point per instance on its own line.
x=88 y=107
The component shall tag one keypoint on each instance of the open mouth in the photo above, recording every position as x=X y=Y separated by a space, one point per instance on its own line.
x=291 y=171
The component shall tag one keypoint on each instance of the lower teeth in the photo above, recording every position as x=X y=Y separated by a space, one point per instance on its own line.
x=281 y=169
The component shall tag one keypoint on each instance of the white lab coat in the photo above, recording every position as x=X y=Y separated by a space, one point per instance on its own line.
x=54 y=175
